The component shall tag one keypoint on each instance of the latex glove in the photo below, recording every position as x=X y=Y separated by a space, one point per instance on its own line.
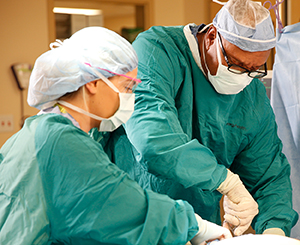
x=209 y=231
x=274 y=231
x=238 y=217
x=239 y=206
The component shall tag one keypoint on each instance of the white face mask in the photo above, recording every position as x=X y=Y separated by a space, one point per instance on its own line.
x=226 y=82
x=121 y=116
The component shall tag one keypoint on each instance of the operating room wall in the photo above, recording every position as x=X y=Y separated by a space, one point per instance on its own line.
x=293 y=12
x=181 y=12
x=24 y=36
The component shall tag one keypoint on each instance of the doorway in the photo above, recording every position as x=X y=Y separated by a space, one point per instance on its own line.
x=125 y=17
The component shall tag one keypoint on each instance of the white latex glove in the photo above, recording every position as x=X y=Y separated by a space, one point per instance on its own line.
x=239 y=206
x=209 y=231
x=274 y=231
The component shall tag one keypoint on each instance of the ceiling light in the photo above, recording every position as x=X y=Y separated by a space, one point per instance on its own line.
x=77 y=11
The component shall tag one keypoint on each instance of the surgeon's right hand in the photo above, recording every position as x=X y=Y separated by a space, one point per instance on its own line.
x=239 y=206
x=209 y=231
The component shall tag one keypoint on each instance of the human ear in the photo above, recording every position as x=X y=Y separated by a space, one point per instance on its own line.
x=210 y=36
x=91 y=87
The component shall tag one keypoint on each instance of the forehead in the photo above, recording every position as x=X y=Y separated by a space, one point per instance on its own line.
x=246 y=57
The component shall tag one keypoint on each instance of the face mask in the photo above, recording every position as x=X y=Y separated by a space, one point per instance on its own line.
x=226 y=82
x=121 y=116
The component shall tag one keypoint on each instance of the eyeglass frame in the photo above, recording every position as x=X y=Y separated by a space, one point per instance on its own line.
x=245 y=70
x=135 y=80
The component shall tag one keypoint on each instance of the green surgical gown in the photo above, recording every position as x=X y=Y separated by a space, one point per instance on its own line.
x=185 y=134
x=58 y=186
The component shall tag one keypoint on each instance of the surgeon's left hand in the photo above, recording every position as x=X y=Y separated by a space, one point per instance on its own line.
x=239 y=206
x=239 y=214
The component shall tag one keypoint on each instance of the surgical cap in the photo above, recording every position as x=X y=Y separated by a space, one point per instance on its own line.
x=246 y=24
x=72 y=63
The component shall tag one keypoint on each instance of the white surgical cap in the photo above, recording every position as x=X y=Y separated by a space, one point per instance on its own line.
x=63 y=69
x=246 y=24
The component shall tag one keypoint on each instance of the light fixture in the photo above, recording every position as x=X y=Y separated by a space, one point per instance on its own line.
x=77 y=11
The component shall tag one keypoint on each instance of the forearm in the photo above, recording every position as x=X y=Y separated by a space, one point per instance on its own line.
x=187 y=162
x=268 y=181
x=177 y=220
x=275 y=205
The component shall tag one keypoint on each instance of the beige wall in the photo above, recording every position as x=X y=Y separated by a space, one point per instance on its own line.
x=181 y=12
x=113 y=23
x=293 y=11
x=24 y=36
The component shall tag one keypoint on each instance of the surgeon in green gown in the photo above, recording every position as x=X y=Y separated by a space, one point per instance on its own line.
x=203 y=126
x=57 y=184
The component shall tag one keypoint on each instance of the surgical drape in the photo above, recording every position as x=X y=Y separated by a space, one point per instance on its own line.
x=285 y=99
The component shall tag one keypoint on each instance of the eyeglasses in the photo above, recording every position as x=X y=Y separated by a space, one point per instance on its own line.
x=129 y=85
x=236 y=69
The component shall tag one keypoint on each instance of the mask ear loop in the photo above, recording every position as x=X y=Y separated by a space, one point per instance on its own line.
x=218 y=50
x=106 y=80
x=83 y=96
x=204 y=56
x=75 y=108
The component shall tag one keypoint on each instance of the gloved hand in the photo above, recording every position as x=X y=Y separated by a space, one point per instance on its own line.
x=274 y=231
x=239 y=206
x=209 y=231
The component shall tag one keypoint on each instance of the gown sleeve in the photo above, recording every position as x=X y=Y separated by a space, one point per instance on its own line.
x=155 y=129
x=265 y=171
x=90 y=200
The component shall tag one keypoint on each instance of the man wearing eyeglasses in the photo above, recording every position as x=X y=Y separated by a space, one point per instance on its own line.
x=203 y=126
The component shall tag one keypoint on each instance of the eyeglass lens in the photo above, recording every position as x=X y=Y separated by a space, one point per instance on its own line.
x=128 y=85
x=261 y=72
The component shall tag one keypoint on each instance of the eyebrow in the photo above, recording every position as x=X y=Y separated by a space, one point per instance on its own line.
x=240 y=62
x=233 y=58
x=230 y=57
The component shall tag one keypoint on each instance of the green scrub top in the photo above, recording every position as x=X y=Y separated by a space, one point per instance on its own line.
x=185 y=134
x=58 y=186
